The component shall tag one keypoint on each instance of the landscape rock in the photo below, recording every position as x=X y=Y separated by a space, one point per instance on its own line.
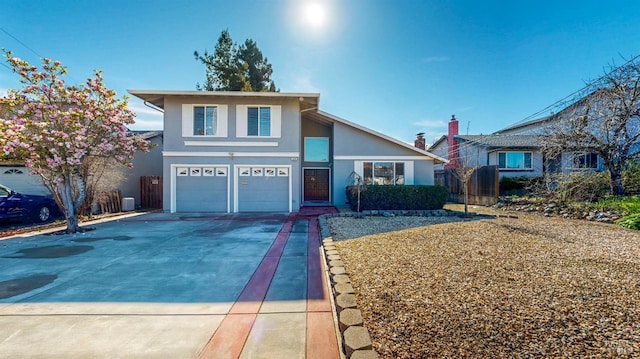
x=364 y=354
x=350 y=317
x=356 y=338
x=344 y=301
x=344 y=288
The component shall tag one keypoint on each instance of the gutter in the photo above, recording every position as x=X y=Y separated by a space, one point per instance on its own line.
x=152 y=106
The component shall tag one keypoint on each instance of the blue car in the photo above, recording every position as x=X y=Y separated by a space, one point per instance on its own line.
x=14 y=205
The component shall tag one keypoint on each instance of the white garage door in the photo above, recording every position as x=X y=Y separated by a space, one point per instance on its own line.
x=202 y=189
x=263 y=189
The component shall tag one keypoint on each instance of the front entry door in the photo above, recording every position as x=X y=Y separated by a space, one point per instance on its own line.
x=316 y=185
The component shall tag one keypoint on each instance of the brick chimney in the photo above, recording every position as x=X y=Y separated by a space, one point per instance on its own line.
x=452 y=144
x=419 y=142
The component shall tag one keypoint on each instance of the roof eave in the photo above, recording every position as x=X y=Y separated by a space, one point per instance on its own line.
x=156 y=97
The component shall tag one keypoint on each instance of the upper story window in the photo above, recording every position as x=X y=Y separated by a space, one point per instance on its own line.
x=205 y=120
x=259 y=121
x=316 y=149
x=514 y=160
x=582 y=160
x=383 y=173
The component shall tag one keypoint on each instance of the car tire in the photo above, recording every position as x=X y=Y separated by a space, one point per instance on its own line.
x=42 y=213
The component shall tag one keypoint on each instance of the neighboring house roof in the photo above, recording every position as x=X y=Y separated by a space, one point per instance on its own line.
x=530 y=125
x=502 y=141
x=147 y=135
x=494 y=141
x=156 y=98
x=569 y=110
x=437 y=143
x=327 y=117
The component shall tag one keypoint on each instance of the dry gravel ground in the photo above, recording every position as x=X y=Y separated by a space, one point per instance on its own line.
x=494 y=288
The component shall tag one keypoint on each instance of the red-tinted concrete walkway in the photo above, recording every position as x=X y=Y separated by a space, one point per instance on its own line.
x=284 y=329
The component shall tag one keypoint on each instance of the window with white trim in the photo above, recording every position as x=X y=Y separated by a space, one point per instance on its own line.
x=515 y=160
x=585 y=160
x=205 y=120
x=259 y=121
x=383 y=173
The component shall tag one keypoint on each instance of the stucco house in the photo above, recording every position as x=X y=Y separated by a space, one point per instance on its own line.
x=144 y=164
x=568 y=161
x=271 y=151
x=516 y=150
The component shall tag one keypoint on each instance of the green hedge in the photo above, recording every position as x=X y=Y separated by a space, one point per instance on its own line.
x=398 y=197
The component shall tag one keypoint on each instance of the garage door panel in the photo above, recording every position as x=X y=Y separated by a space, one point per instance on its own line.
x=201 y=194
x=263 y=194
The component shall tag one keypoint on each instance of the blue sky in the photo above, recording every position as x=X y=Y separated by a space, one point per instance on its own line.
x=398 y=67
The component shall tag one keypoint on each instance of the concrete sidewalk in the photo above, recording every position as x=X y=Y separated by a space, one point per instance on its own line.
x=160 y=285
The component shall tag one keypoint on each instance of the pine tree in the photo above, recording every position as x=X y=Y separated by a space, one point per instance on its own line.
x=235 y=68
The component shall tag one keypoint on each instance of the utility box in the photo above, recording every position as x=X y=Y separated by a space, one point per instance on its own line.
x=128 y=204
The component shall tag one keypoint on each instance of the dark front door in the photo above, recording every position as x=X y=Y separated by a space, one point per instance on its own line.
x=316 y=185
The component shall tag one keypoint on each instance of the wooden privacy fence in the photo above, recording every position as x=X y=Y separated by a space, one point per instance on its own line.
x=110 y=202
x=484 y=185
x=151 y=192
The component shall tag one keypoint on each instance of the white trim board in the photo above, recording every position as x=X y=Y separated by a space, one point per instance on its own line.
x=231 y=144
x=382 y=158
x=229 y=154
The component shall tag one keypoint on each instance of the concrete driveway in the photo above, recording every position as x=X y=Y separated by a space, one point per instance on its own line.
x=169 y=286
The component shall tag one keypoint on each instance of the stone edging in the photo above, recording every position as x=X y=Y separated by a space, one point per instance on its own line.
x=355 y=336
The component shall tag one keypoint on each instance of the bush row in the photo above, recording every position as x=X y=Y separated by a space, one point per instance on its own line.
x=417 y=197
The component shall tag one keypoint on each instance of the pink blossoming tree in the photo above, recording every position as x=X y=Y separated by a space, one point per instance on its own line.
x=58 y=130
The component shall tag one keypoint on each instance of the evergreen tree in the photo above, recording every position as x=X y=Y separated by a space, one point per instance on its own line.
x=256 y=68
x=235 y=68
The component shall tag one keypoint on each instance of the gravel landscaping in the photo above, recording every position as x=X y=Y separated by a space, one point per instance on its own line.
x=504 y=287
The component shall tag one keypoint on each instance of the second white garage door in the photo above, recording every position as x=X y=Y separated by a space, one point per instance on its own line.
x=263 y=188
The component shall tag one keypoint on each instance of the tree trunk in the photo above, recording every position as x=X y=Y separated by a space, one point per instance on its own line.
x=616 y=180
x=466 y=197
x=66 y=194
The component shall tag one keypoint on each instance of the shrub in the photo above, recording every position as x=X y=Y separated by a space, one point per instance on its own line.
x=418 y=197
x=631 y=178
x=631 y=221
x=519 y=185
x=511 y=183
x=578 y=186
x=621 y=204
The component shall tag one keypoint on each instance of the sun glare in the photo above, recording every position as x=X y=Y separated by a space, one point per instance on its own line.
x=314 y=14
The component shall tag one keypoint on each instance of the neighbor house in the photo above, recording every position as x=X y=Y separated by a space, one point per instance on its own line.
x=568 y=161
x=16 y=176
x=516 y=150
x=145 y=164
x=271 y=151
